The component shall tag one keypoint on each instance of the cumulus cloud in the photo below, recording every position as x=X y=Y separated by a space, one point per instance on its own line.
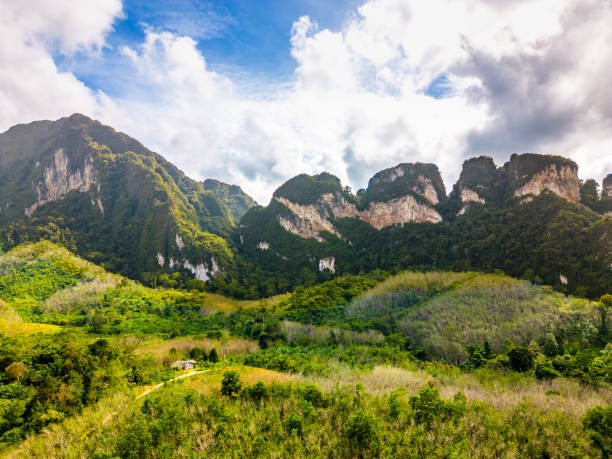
x=31 y=86
x=523 y=75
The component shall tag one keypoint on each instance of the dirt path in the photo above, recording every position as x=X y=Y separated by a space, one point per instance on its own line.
x=152 y=388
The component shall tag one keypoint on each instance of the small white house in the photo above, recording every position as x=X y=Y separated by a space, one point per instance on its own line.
x=184 y=364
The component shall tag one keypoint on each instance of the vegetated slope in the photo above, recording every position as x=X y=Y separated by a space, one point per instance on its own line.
x=236 y=200
x=469 y=309
x=547 y=240
x=445 y=316
x=298 y=419
x=111 y=199
x=45 y=283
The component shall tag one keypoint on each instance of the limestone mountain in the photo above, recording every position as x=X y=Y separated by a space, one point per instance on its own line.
x=511 y=217
x=112 y=200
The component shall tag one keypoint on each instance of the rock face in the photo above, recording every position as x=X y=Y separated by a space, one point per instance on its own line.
x=530 y=175
x=385 y=204
x=606 y=187
x=327 y=263
x=418 y=179
x=59 y=179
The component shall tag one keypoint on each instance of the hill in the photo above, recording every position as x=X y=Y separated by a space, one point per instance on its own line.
x=526 y=218
x=112 y=200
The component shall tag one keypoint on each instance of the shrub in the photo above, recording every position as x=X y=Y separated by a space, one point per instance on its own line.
x=521 y=358
x=545 y=371
x=429 y=407
x=256 y=392
x=231 y=385
x=295 y=423
x=598 y=422
x=360 y=431
x=311 y=393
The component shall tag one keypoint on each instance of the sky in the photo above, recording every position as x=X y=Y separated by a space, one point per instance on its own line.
x=255 y=92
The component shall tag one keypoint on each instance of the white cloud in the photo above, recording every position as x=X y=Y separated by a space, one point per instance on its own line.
x=31 y=86
x=524 y=75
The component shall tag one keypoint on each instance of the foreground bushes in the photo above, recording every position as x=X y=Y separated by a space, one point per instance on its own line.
x=298 y=420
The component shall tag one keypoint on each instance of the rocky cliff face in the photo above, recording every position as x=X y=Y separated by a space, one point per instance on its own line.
x=416 y=179
x=477 y=183
x=309 y=221
x=402 y=194
x=530 y=175
x=61 y=177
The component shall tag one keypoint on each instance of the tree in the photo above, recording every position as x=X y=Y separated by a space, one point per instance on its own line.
x=606 y=303
x=213 y=357
x=521 y=358
x=588 y=194
x=360 y=431
x=231 y=385
x=15 y=371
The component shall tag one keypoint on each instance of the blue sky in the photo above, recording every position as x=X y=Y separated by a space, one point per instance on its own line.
x=250 y=38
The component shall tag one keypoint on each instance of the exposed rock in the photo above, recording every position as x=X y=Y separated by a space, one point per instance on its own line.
x=531 y=174
x=310 y=221
x=421 y=179
x=263 y=245
x=468 y=195
x=179 y=241
x=160 y=259
x=59 y=180
x=402 y=210
x=563 y=279
x=426 y=189
x=327 y=263
x=561 y=181
x=201 y=271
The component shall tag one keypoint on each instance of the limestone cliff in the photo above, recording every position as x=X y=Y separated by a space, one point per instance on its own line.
x=415 y=205
x=530 y=175
x=417 y=179
x=59 y=178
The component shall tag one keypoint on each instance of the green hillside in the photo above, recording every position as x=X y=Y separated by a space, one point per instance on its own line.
x=85 y=353
x=110 y=199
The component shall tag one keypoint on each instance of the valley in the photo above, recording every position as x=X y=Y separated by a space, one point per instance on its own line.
x=393 y=321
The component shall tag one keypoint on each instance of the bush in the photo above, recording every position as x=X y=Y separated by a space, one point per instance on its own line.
x=295 y=423
x=360 y=431
x=312 y=394
x=545 y=371
x=598 y=422
x=231 y=385
x=429 y=407
x=256 y=392
x=521 y=359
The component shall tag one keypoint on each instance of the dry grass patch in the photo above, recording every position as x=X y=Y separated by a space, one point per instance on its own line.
x=574 y=398
x=161 y=350
x=209 y=382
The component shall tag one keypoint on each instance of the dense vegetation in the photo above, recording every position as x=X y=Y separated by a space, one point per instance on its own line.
x=548 y=241
x=300 y=420
x=362 y=365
